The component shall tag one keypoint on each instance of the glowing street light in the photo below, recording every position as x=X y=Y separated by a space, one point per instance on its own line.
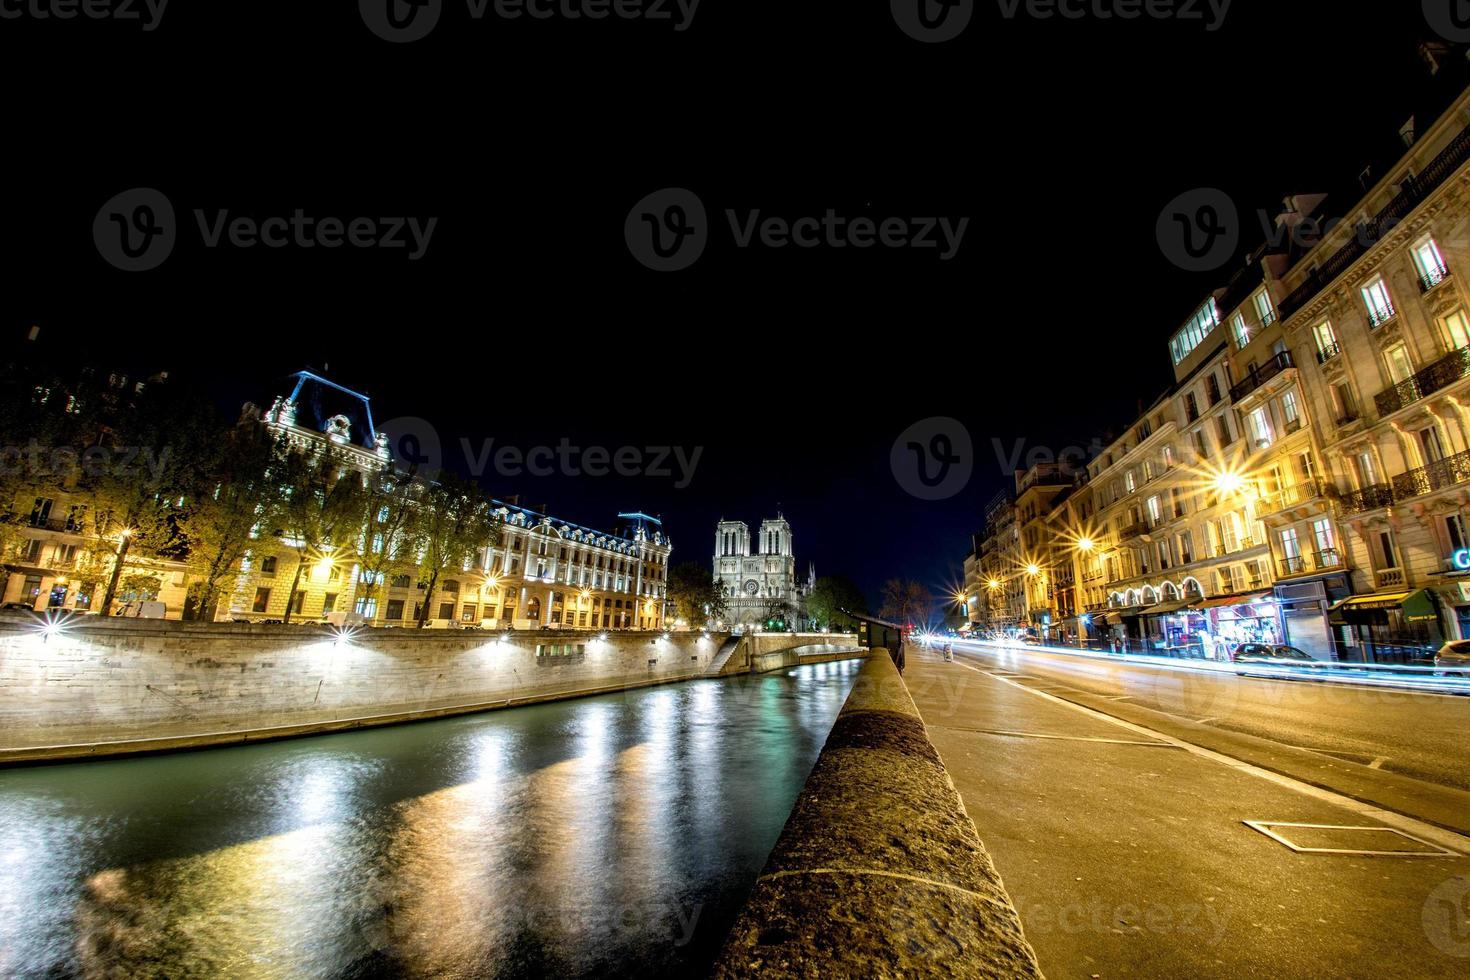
x=1086 y=544
x=1033 y=569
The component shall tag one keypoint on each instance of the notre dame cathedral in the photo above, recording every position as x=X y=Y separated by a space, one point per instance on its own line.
x=762 y=583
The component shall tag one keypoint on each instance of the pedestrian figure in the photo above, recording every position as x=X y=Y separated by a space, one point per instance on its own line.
x=949 y=653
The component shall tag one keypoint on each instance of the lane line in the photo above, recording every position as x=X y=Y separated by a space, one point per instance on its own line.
x=1445 y=838
x=1059 y=738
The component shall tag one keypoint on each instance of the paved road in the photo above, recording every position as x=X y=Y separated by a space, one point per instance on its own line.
x=1127 y=852
x=1416 y=734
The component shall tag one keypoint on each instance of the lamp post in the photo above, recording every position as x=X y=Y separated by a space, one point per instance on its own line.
x=1085 y=546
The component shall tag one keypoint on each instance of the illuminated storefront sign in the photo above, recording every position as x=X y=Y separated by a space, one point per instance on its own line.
x=1461 y=559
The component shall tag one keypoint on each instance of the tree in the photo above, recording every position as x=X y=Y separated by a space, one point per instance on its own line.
x=456 y=519
x=391 y=534
x=778 y=612
x=830 y=596
x=319 y=507
x=906 y=601
x=698 y=599
x=234 y=500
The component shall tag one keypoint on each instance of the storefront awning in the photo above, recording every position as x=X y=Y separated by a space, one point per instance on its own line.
x=1166 y=608
x=1417 y=607
x=1232 y=600
x=1110 y=619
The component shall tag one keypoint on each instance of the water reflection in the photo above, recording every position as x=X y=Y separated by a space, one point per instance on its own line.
x=612 y=835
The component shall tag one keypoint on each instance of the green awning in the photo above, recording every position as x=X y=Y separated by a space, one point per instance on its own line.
x=1417 y=607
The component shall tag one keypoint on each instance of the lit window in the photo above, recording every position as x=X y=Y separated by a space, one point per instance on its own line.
x=1260 y=426
x=1430 y=263
x=1400 y=368
x=1457 y=330
x=1326 y=339
x=1240 y=331
x=1264 y=310
x=1290 y=411
x=1379 y=303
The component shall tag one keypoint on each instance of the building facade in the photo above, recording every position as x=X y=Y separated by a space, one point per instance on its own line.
x=760 y=584
x=1306 y=478
x=543 y=572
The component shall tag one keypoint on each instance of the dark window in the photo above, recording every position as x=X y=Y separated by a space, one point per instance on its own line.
x=262 y=600
x=395 y=608
x=268 y=565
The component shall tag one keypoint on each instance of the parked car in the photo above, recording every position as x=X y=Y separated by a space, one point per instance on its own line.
x=1266 y=653
x=1453 y=659
x=19 y=606
x=143 y=610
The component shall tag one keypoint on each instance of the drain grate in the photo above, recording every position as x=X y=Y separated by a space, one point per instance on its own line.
x=1319 y=838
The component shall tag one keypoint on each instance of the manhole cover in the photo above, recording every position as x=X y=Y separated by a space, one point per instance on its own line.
x=1317 y=838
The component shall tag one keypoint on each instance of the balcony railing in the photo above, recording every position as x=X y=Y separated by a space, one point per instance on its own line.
x=1369 y=498
x=1137 y=530
x=1389 y=578
x=1322 y=561
x=1261 y=375
x=1379 y=315
x=1415 y=190
x=1448 y=472
x=1328 y=352
x=1430 y=278
x=1441 y=374
x=1293 y=496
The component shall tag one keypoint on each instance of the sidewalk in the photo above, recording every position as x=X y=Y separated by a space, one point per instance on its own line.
x=1128 y=856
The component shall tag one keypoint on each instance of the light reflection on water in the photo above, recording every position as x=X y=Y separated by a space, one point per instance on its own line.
x=611 y=835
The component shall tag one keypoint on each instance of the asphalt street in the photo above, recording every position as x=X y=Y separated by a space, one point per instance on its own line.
x=1128 y=852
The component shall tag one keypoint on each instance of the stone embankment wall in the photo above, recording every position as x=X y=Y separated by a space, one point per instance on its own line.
x=879 y=871
x=113 y=686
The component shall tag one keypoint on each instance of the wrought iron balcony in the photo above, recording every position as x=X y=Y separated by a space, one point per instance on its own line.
x=1369 y=498
x=1430 y=278
x=1293 y=496
x=1322 y=561
x=1261 y=375
x=1293 y=566
x=1448 y=472
x=1378 y=316
x=1416 y=190
x=1441 y=374
x=1137 y=530
x=1389 y=578
x=1328 y=559
x=1327 y=353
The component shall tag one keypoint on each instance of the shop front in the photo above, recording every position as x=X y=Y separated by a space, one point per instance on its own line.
x=1236 y=619
x=1388 y=627
x=1177 y=630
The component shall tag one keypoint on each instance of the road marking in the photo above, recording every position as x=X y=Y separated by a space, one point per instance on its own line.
x=1267 y=827
x=1059 y=738
x=1121 y=697
x=1378 y=762
x=1444 y=838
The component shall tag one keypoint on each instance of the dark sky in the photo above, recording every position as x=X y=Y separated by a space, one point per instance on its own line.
x=527 y=319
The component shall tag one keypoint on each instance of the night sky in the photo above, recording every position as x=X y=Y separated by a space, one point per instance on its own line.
x=528 y=321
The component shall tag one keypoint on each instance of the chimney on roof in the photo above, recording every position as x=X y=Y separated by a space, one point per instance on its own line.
x=1409 y=133
x=1434 y=54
